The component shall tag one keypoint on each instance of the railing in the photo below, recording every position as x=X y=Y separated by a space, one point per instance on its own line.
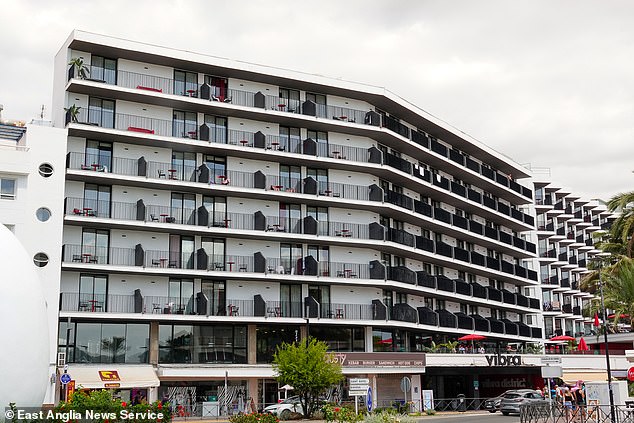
x=98 y=255
x=245 y=98
x=547 y=411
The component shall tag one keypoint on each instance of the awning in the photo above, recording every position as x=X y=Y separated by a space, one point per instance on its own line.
x=108 y=376
x=573 y=377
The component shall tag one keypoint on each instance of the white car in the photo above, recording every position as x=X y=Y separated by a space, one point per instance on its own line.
x=284 y=409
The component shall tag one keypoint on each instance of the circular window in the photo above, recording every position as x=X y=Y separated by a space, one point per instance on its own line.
x=43 y=214
x=40 y=259
x=46 y=169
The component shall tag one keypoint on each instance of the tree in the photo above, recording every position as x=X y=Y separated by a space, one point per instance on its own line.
x=622 y=229
x=80 y=68
x=619 y=290
x=308 y=369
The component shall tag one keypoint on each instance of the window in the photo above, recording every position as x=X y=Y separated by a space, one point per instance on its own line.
x=184 y=124
x=382 y=340
x=440 y=304
x=388 y=300
x=321 y=254
x=321 y=294
x=217 y=209
x=106 y=342
x=45 y=170
x=183 y=208
x=181 y=254
x=98 y=155
x=43 y=214
x=268 y=338
x=215 y=250
x=321 y=138
x=97 y=200
x=291 y=300
x=218 y=87
x=291 y=257
x=95 y=243
x=290 y=178
x=289 y=98
x=103 y=69
x=340 y=339
x=216 y=296
x=290 y=217
x=40 y=259
x=92 y=292
x=463 y=308
x=320 y=214
x=217 y=166
x=320 y=102
x=183 y=166
x=401 y=298
x=321 y=176
x=474 y=309
x=185 y=83
x=290 y=139
x=181 y=296
x=218 y=129
x=7 y=189
x=101 y=112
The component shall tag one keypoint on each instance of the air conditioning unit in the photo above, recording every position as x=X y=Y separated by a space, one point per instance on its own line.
x=61 y=359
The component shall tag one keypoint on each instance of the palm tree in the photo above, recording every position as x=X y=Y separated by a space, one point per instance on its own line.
x=622 y=228
x=81 y=69
x=619 y=289
x=72 y=113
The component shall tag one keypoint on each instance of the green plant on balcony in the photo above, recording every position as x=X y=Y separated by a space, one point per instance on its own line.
x=79 y=67
x=72 y=113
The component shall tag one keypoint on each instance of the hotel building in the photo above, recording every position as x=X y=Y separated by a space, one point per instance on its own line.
x=215 y=209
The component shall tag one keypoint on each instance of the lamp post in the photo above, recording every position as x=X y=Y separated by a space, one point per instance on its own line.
x=307 y=317
x=605 y=341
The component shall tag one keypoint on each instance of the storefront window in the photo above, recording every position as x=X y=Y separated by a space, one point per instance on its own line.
x=202 y=344
x=106 y=343
x=269 y=337
x=340 y=339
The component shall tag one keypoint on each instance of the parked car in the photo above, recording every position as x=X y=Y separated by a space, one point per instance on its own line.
x=284 y=409
x=512 y=400
x=493 y=404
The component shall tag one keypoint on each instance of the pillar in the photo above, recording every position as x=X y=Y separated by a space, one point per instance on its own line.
x=252 y=338
x=154 y=343
x=416 y=393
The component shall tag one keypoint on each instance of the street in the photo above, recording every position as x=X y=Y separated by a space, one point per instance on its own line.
x=473 y=417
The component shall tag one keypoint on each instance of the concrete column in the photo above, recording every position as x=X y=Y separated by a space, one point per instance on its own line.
x=152 y=395
x=251 y=345
x=252 y=388
x=368 y=339
x=302 y=333
x=416 y=393
x=154 y=343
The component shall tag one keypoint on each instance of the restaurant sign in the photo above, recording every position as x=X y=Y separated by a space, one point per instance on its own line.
x=351 y=359
x=504 y=360
x=109 y=375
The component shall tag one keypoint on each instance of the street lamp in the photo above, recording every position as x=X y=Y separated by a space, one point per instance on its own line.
x=605 y=338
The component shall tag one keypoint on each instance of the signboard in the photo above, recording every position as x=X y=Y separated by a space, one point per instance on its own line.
x=70 y=388
x=111 y=385
x=504 y=360
x=358 y=386
x=109 y=375
x=406 y=384
x=356 y=393
x=551 y=371
x=368 y=400
x=476 y=384
x=382 y=360
x=358 y=381
x=630 y=374
x=428 y=399
x=65 y=378
x=550 y=360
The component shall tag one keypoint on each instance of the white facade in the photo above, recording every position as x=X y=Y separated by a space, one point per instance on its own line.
x=21 y=161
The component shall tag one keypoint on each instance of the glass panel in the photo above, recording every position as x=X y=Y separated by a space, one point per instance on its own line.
x=137 y=343
x=113 y=343
x=88 y=343
x=7 y=189
x=217 y=128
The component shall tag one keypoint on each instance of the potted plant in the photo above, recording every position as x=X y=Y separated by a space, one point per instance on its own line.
x=72 y=114
x=79 y=67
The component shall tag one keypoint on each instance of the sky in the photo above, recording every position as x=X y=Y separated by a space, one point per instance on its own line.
x=547 y=83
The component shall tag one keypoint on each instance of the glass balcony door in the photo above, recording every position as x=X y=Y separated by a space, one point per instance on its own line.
x=101 y=112
x=95 y=244
x=103 y=69
x=291 y=300
x=92 y=292
x=181 y=296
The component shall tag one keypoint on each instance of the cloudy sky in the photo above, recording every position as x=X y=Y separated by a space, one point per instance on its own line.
x=548 y=83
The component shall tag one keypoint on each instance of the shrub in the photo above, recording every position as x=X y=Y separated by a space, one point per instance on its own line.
x=254 y=418
x=334 y=413
x=389 y=416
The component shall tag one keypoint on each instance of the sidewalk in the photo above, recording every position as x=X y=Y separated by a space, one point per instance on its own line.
x=439 y=414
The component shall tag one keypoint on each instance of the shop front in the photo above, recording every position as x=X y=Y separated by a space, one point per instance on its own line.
x=131 y=383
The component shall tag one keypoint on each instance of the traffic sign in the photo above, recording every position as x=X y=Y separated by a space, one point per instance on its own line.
x=358 y=381
x=65 y=378
x=630 y=374
x=368 y=400
x=406 y=384
x=356 y=393
x=550 y=360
